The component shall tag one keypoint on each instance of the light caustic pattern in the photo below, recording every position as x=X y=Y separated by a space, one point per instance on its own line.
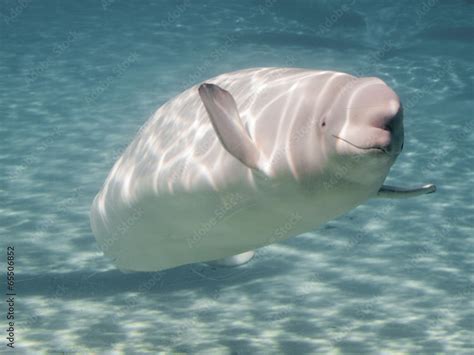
x=306 y=114
x=79 y=79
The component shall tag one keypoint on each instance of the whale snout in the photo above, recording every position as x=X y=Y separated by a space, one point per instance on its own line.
x=376 y=129
x=390 y=129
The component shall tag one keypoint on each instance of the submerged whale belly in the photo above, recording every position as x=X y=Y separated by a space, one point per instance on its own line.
x=183 y=228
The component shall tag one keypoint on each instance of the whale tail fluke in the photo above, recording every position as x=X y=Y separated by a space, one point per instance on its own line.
x=387 y=191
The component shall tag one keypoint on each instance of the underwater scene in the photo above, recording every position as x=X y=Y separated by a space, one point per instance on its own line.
x=133 y=224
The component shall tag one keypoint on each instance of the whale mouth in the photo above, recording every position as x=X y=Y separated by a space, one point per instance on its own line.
x=374 y=148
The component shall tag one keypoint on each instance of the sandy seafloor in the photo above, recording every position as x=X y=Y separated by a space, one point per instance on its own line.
x=79 y=78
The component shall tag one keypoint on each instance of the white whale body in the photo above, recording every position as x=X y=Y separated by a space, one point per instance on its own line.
x=244 y=160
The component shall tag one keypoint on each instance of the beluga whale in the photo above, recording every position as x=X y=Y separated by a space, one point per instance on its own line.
x=217 y=170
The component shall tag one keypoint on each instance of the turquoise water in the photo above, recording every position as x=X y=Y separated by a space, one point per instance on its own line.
x=78 y=79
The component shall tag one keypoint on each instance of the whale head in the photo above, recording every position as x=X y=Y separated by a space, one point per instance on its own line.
x=365 y=124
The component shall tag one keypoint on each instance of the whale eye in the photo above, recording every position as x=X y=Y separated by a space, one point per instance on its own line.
x=323 y=120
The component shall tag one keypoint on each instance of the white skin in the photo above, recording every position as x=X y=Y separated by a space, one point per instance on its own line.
x=270 y=152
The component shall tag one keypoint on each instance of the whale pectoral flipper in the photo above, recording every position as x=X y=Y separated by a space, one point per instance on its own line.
x=234 y=260
x=225 y=118
x=387 y=191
